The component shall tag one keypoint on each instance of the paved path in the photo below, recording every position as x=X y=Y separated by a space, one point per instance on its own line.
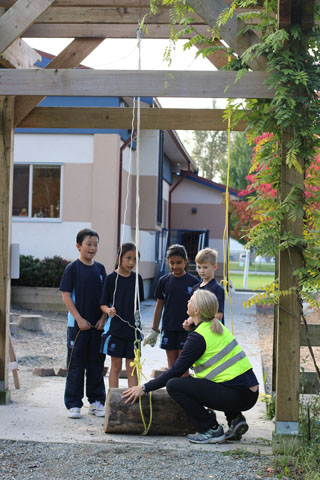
x=41 y=416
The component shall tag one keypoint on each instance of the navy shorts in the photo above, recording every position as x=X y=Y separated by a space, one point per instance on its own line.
x=173 y=340
x=118 y=347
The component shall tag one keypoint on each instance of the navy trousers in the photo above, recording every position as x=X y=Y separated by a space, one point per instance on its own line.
x=194 y=394
x=84 y=359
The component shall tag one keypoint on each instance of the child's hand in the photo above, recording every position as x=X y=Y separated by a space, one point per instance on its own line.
x=100 y=323
x=188 y=324
x=151 y=339
x=111 y=312
x=83 y=324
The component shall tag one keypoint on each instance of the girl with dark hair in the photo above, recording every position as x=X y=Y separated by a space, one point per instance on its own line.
x=118 y=302
x=173 y=293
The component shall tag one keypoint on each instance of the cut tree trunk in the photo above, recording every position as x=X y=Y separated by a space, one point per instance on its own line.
x=168 y=418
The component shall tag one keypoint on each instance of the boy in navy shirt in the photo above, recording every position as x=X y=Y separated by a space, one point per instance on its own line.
x=173 y=292
x=206 y=261
x=81 y=287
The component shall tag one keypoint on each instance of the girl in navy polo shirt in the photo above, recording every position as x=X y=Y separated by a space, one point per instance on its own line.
x=173 y=293
x=118 y=301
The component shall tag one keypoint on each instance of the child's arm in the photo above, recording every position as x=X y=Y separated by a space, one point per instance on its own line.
x=110 y=311
x=101 y=322
x=151 y=339
x=83 y=324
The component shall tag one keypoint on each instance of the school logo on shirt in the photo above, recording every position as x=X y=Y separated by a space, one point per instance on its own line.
x=189 y=290
x=101 y=278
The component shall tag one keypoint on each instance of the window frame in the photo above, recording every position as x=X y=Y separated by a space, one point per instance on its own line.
x=29 y=218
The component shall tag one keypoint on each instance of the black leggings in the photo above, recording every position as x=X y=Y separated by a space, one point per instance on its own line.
x=194 y=394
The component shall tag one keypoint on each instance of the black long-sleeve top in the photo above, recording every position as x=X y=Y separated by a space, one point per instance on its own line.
x=194 y=347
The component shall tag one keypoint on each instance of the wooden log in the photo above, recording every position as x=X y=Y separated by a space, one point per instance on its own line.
x=168 y=418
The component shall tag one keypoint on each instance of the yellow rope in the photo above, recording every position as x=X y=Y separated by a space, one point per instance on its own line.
x=226 y=260
x=137 y=365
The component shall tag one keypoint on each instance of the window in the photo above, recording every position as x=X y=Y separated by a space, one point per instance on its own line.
x=36 y=191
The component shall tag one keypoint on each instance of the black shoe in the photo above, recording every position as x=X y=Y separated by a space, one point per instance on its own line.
x=237 y=428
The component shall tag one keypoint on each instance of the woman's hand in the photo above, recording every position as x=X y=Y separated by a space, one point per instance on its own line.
x=132 y=394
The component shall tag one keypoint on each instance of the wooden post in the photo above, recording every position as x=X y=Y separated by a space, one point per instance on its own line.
x=289 y=314
x=6 y=180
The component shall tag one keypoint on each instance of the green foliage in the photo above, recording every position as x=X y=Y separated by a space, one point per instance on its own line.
x=40 y=273
x=240 y=162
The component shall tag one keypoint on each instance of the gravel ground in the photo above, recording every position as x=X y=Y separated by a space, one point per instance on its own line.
x=36 y=461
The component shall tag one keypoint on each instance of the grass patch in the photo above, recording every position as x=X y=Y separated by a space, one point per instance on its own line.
x=253 y=267
x=254 y=281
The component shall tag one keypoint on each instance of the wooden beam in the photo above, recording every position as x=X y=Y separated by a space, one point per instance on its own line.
x=289 y=308
x=108 y=15
x=104 y=118
x=19 y=55
x=6 y=179
x=40 y=30
x=18 y=18
x=284 y=14
x=210 y=10
x=70 y=57
x=133 y=83
x=218 y=58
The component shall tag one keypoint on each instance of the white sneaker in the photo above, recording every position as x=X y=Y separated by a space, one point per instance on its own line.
x=74 y=412
x=97 y=409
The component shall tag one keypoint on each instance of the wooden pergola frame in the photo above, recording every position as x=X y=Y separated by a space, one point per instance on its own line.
x=89 y=22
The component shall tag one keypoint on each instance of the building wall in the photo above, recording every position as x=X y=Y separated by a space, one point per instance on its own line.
x=90 y=166
x=210 y=213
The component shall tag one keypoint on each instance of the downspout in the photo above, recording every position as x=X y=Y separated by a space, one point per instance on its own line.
x=122 y=148
x=172 y=190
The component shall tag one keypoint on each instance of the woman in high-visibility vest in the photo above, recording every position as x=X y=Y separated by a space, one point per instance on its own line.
x=224 y=379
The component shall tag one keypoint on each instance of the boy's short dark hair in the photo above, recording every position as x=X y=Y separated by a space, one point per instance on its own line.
x=177 y=250
x=207 y=255
x=86 y=232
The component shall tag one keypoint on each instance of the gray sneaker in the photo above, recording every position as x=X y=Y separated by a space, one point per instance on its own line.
x=210 y=436
x=237 y=428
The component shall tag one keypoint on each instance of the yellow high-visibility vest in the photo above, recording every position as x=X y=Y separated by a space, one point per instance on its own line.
x=223 y=358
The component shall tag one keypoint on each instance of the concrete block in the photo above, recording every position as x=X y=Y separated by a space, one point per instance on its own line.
x=123 y=374
x=44 y=372
x=31 y=322
x=105 y=371
x=62 y=372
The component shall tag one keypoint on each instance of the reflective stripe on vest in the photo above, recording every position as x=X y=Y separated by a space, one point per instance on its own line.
x=216 y=358
x=225 y=365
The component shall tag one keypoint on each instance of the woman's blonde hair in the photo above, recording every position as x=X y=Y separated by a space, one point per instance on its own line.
x=207 y=304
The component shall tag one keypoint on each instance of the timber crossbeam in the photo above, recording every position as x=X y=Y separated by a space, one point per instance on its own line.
x=145 y=83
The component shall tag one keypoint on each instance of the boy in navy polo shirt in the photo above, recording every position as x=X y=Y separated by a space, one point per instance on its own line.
x=81 y=287
x=173 y=292
x=206 y=261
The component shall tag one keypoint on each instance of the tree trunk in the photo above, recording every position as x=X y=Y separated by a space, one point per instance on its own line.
x=168 y=418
